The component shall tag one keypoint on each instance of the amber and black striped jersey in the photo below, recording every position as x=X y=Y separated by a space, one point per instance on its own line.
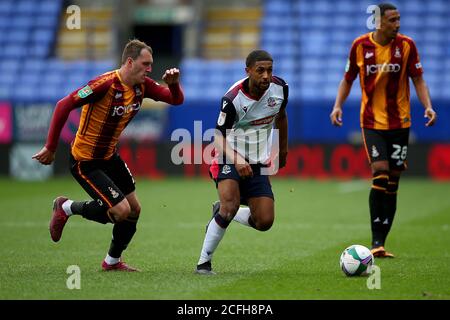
x=108 y=105
x=384 y=73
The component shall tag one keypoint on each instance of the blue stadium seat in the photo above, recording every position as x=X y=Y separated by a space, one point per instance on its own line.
x=39 y=50
x=51 y=93
x=277 y=7
x=46 y=21
x=21 y=22
x=51 y=7
x=14 y=51
x=6 y=6
x=412 y=6
x=16 y=36
x=103 y=66
x=43 y=35
x=4 y=22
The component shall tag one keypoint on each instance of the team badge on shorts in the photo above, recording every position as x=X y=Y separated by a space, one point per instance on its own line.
x=375 y=152
x=226 y=169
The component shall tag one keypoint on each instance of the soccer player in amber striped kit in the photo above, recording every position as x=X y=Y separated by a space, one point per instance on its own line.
x=109 y=103
x=384 y=60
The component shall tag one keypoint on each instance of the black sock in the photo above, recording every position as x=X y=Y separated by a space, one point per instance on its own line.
x=122 y=234
x=391 y=202
x=377 y=200
x=92 y=210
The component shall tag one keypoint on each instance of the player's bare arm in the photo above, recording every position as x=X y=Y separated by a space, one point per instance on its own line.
x=343 y=92
x=281 y=123
x=424 y=97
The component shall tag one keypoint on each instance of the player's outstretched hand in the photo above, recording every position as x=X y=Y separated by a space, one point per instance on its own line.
x=171 y=76
x=431 y=115
x=44 y=156
x=336 y=117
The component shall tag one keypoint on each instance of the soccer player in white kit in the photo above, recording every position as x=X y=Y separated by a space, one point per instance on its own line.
x=250 y=109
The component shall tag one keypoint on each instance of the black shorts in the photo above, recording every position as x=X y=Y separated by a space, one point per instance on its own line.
x=106 y=181
x=256 y=186
x=387 y=145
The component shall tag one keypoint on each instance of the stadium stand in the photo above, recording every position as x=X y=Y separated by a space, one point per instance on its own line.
x=31 y=72
x=310 y=44
x=310 y=51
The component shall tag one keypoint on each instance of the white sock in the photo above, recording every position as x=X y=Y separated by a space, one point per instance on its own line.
x=242 y=216
x=66 y=207
x=110 y=260
x=212 y=238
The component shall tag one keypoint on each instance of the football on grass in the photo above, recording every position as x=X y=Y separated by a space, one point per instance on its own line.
x=356 y=260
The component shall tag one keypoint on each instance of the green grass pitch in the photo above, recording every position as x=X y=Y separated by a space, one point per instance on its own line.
x=297 y=259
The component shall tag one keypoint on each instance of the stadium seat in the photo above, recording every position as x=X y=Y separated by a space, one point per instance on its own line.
x=16 y=36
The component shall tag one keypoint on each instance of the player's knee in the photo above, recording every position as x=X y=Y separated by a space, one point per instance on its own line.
x=228 y=209
x=135 y=211
x=264 y=224
x=121 y=211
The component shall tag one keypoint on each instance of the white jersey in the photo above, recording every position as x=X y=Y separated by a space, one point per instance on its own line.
x=247 y=123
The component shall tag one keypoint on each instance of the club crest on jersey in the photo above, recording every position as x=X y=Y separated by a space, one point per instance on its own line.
x=271 y=102
x=375 y=152
x=84 y=92
x=397 y=53
x=118 y=95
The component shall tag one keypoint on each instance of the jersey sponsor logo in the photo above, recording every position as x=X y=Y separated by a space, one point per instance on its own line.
x=221 y=119
x=84 y=92
x=271 y=102
x=226 y=169
x=265 y=120
x=368 y=55
x=382 y=67
x=121 y=110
